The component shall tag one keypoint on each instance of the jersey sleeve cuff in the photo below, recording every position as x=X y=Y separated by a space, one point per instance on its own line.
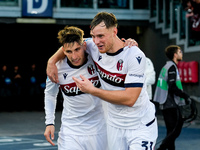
x=49 y=125
x=127 y=85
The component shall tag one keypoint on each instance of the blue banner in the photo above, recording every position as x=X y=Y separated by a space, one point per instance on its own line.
x=37 y=8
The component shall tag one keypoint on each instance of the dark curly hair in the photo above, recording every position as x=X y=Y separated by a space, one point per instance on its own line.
x=70 y=35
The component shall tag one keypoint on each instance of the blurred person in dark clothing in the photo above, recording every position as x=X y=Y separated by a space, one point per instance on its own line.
x=195 y=20
x=5 y=88
x=33 y=78
x=5 y=82
x=191 y=6
x=196 y=6
x=17 y=81
x=193 y=9
x=34 y=89
x=17 y=89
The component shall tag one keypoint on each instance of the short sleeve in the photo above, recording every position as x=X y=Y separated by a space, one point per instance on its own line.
x=136 y=68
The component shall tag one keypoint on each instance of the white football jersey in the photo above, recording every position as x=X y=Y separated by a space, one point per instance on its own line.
x=82 y=113
x=118 y=71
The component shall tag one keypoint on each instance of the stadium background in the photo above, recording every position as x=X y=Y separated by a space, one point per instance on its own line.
x=29 y=38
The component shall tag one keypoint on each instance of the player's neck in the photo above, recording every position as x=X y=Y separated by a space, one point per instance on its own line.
x=175 y=60
x=117 y=45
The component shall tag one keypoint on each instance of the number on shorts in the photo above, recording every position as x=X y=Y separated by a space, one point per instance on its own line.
x=146 y=144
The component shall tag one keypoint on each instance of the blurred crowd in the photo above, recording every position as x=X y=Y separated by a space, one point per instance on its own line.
x=193 y=13
x=21 y=88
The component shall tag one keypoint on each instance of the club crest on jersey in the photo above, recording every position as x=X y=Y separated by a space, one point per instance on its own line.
x=120 y=64
x=65 y=75
x=91 y=69
x=139 y=59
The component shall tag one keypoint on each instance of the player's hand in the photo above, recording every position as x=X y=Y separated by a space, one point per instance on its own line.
x=49 y=134
x=129 y=42
x=84 y=85
x=52 y=72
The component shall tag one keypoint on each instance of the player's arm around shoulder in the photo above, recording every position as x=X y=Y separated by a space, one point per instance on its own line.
x=51 y=69
x=90 y=46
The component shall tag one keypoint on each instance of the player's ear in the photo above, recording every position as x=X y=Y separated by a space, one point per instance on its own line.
x=175 y=55
x=84 y=45
x=62 y=47
x=115 y=31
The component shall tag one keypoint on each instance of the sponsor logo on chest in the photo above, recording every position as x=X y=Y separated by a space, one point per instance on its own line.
x=72 y=90
x=115 y=79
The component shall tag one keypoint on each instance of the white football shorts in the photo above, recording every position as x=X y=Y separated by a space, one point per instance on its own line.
x=82 y=142
x=143 y=138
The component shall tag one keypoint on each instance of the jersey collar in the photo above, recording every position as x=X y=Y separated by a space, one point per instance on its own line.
x=116 y=53
x=77 y=67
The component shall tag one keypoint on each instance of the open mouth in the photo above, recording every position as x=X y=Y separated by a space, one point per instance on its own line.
x=100 y=46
